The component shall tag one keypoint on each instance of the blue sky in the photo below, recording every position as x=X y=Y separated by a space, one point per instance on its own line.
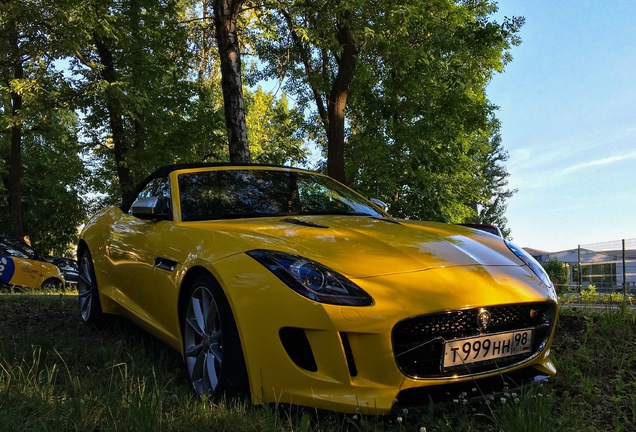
x=568 y=110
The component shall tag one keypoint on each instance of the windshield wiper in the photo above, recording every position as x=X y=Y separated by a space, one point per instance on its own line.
x=228 y=216
x=303 y=222
x=336 y=212
x=386 y=219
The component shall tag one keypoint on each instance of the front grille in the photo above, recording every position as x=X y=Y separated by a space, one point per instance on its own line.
x=418 y=342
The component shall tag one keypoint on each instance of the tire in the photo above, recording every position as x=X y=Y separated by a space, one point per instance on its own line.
x=211 y=345
x=52 y=284
x=88 y=294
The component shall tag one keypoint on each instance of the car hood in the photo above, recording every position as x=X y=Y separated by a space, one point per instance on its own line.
x=360 y=247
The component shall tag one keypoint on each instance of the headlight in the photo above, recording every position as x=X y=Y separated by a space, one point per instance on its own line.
x=530 y=262
x=312 y=280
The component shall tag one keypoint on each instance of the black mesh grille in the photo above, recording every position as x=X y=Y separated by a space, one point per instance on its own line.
x=418 y=342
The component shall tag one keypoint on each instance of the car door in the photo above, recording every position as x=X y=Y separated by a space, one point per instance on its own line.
x=132 y=253
x=19 y=264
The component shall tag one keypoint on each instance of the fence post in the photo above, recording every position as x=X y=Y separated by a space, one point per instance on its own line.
x=624 y=273
x=580 y=281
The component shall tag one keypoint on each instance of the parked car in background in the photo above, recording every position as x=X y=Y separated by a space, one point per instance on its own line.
x=69 y=269
x=286 y=286
x=23 y=267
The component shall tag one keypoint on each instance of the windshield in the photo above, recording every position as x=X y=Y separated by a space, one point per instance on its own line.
x=252 y=193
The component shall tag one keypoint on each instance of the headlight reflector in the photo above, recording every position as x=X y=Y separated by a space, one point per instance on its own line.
x=311 y=279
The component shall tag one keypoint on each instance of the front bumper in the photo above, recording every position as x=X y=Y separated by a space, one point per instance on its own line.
x=343 y=358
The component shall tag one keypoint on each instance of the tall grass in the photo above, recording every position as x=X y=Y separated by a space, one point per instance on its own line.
x=57 y=374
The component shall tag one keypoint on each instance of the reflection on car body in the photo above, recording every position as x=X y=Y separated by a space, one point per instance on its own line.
x=286 y=286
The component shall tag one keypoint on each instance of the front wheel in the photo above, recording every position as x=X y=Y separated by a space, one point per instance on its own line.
x=52 y=285
x=88 y=295
x=211 y=344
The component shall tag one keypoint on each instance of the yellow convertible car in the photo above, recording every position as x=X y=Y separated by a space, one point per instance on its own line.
x=23 y=267
x=285 y=286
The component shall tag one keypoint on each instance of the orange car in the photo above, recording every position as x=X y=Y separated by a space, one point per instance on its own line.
x=21 y=266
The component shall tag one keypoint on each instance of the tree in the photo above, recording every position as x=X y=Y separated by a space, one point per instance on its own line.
x=131 y=66
x=316 y=49
x=275 y=129
x=226 y=15
x=393 y=92
x=422 y=134
x=490 y=205
x=34 y=111
x=15 y=62
x=411 y=78
x=53 y=181
x=558 y=273
x=205 y=109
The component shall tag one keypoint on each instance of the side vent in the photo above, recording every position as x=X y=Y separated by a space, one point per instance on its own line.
x=298 y=348
x=353 y=370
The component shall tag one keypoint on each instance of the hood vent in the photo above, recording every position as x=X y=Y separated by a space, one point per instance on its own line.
x=303 y=223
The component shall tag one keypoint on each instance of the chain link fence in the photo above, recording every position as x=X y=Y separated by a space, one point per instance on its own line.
x=609 y=267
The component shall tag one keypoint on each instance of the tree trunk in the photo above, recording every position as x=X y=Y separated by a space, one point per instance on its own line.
x=226 y=13
x=338 y=99
x=15 y=158
x=115 y=114
x=333 y=117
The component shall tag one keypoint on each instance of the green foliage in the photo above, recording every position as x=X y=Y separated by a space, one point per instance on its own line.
x=557 y=271
x=114 y=89
x=52 y=184
x=591 y=296
x=528 y=410
x=274 y=129
x=130 y=69
x=596 y=375
x=50 y=175
x=166 y=89
x=128 y=380
x=421 y=134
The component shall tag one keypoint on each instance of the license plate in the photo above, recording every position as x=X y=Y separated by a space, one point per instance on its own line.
x=482 y=348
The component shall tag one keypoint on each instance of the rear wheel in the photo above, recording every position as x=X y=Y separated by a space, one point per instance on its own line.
x=211 y=344
x=88 y=295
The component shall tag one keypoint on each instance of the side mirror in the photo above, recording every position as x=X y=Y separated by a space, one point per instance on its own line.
x=150 y=208
x=380 y=204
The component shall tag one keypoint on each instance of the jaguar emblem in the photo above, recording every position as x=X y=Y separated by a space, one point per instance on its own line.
x=483 y=320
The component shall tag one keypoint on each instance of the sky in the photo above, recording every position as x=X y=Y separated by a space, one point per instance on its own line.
x=567 y=103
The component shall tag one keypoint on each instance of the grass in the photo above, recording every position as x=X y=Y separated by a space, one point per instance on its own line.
x=57 y=374
x=591 y=296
